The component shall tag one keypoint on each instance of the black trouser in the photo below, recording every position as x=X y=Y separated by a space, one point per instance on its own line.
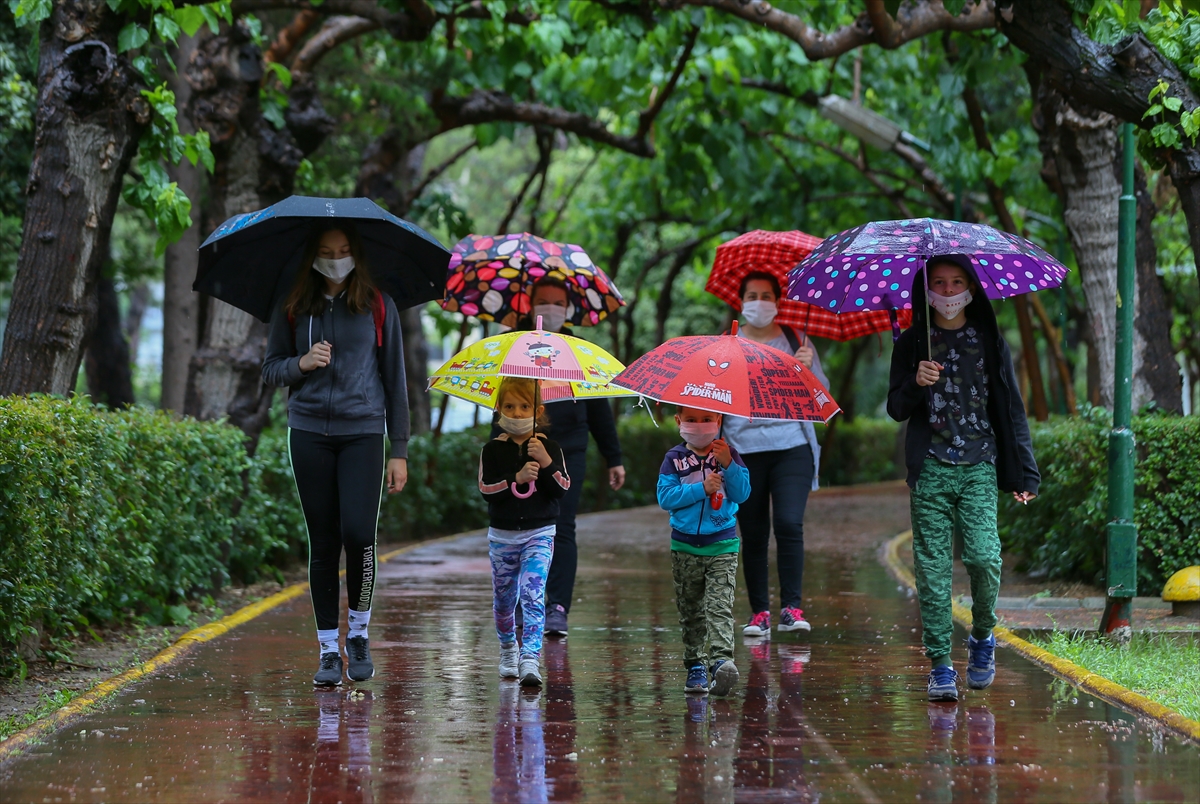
x=340 y=480
x=779 y=484
x=560 y=584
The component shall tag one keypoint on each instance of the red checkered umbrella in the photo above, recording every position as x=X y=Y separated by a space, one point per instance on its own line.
x=778 y=253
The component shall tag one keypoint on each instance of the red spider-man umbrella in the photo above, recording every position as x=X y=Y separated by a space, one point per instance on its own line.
x=777 y=253
x=729 y=375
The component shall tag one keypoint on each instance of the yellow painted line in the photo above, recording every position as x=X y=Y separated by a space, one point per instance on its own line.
x=167 y=656
x=1081 y=677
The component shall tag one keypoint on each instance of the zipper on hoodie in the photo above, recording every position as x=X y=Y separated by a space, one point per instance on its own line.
x=333 y=368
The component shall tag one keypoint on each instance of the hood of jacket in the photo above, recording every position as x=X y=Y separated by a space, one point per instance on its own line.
x=979 y=311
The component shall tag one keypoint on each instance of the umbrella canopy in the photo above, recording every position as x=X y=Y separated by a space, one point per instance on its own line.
x=729 y=375
x=567 y=367
x=490 y=276
x=251 y=260
x=872 y=266
x=777 y=253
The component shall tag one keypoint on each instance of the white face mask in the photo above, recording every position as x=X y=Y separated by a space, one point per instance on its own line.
x=517 y=427
x=337 y=270
x=950 y=306
x=759 y=313
x=553 y=316
x=699 y=434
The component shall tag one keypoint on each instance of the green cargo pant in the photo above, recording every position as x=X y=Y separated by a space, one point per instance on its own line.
x=947 y=497
x=704 y=594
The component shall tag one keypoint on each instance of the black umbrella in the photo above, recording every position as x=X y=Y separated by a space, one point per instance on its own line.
x=250 y=261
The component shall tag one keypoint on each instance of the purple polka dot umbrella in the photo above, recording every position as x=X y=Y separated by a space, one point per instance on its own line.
x=872 y=266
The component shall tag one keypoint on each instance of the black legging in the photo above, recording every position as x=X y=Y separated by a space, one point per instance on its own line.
x=340 y=480
x=779 y=484
x=560 y=584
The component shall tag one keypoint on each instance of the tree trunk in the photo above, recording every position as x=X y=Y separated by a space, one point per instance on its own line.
x=1156 y=371
x=89 y=117
x=108 y=367
x=255 y=167
x=1081 y=162
x=390 y=169
x=181 y=305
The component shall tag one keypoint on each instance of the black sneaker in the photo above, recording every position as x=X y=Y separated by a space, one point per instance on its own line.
x=556 y=621
x=330 y=674
x=359 y=651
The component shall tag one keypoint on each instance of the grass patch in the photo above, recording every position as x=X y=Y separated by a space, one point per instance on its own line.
x=50 y=703
x=1162 y=667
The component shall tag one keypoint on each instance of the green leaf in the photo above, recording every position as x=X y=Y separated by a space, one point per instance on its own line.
x=1166 y=136
x=954 y=7
x=132 y=36
x=1174 y=104
x=190 y=18
x=1159 y=88
x=1153 y=110
x=166 y=28
x=282 y=73
x=30 y=12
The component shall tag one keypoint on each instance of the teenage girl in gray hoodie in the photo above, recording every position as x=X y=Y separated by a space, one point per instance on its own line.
x=335 y=342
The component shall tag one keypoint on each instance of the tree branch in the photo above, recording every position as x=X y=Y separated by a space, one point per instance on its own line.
x=893 y=195
x=917 y=18
x=489 y=105
x=436 y=171
x=566 y=199
x=333 y=34
x=646 y=119
x=290 y=35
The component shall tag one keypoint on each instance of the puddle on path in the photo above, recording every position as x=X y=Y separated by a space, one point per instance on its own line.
x=837 y=715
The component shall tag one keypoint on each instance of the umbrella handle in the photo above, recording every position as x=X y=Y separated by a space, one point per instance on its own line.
x=928 y=311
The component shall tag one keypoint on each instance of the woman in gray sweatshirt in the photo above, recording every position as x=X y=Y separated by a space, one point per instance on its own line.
x=336 y=344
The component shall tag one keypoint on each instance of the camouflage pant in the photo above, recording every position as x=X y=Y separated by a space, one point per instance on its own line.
x=947 y=497
x=704 y=594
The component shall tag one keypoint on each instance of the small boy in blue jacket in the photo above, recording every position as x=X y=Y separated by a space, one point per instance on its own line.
x=701 y=483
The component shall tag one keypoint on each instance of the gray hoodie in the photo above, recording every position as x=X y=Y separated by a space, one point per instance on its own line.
x=363 y=387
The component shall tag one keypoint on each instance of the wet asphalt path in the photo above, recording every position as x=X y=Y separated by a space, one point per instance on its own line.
x=837 y=715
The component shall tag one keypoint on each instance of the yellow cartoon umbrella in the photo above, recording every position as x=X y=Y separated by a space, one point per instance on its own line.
x=567 y=368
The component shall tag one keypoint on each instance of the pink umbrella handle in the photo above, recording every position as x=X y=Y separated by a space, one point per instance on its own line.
x=538 y=326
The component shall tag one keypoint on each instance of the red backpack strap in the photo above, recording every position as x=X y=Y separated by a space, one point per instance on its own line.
x=380 y=310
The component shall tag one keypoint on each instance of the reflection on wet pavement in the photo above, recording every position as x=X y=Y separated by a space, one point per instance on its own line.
x=838 y=714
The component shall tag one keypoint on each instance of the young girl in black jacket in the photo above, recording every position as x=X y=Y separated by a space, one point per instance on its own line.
x=522 y=476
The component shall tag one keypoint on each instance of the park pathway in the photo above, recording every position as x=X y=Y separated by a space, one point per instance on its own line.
x=837 y=715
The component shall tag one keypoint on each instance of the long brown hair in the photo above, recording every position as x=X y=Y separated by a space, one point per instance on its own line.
x=308 y=292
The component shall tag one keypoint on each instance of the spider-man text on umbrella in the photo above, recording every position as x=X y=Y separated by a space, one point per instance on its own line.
x=777 y=253
x=490 y=277
x=729 y=375
x=872 y=266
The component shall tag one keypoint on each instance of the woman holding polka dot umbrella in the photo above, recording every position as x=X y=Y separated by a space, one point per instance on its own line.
x=512 y=279
x=872 y=266
x=492 y=277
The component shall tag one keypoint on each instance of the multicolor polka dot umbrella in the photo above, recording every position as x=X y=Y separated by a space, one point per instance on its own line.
x=490 y=276
x=871 y=267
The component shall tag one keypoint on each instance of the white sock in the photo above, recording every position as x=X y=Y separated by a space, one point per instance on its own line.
x=358 y=623
x=328 y=640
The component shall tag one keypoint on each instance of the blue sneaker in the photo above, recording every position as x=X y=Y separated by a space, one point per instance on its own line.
x=943 y=684
x=697 y=679
x=981 y=662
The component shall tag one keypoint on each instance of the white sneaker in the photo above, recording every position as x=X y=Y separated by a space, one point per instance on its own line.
x=508 y=660
x=531 y=672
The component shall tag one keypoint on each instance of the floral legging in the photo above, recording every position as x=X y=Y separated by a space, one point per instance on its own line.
x=521 y=570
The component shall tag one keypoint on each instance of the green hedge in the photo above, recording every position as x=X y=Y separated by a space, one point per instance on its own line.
x=862 y=451
x=105 y=515
x=1062 y=534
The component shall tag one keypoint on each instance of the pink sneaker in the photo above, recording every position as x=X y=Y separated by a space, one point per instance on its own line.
x=759 y=625
x=793 y=620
